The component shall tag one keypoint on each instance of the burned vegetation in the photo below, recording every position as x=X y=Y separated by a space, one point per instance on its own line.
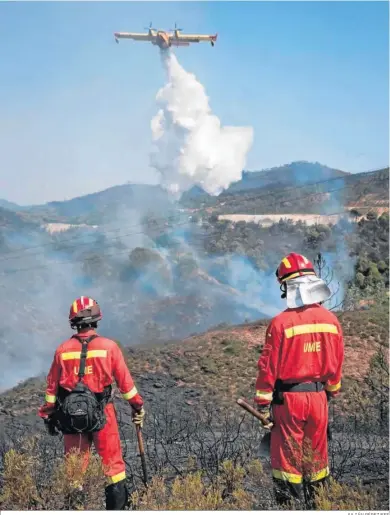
x=203 y=451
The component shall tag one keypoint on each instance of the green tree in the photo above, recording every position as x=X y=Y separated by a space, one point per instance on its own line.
x=360 y=279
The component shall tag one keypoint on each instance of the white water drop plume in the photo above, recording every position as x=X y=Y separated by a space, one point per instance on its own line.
x=191 y=146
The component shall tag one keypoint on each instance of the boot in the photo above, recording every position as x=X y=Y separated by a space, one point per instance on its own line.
x=117 y=496
x=287 y=494
x=310 y=492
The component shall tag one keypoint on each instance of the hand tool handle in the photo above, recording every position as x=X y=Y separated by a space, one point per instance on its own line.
x=252 y=411
x=142 y=454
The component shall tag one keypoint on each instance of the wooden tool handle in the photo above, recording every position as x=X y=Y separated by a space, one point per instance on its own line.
x=252 y=411
x=142 y=455
x=140 y=440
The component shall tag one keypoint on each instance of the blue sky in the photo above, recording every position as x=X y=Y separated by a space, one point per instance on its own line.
x=311 y=78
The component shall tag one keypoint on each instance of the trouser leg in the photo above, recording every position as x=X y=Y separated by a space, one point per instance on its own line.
x=286 y=449
x=316 y=465
x=108 y=445
x=79 y=443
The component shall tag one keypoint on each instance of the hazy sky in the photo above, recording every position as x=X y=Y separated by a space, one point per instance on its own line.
x=311 y=78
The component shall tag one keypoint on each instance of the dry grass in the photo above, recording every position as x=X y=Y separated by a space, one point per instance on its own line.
x=28 y=484
x=195 y=491
x=341 y=497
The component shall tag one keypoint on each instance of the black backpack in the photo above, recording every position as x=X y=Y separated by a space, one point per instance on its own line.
x=81 y=410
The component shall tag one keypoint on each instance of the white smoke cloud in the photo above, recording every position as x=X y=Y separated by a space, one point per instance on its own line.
x=192 y=148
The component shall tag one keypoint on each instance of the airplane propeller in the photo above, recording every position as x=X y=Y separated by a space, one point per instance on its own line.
x=150 y=27
x=176 y=28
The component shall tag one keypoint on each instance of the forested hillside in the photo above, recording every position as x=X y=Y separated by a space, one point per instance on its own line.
x=163 y=272
x=329 y=195
x=188 y=296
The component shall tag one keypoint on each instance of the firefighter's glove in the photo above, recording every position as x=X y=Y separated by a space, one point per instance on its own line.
x=50 y=427
x=267 y=419
x=138 y=417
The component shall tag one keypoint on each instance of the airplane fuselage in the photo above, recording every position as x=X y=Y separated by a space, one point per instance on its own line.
x=162 y=40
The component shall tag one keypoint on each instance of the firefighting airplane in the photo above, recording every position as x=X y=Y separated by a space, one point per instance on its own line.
x=165 y=39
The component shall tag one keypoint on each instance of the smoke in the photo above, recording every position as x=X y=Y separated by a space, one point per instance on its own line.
x=192 y=148
x=155 y=281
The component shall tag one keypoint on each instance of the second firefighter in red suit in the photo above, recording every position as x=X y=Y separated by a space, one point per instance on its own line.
x=299 y=369
x=104 y=363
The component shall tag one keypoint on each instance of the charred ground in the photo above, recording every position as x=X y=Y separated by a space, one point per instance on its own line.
x=180 y=276
x=190 y=388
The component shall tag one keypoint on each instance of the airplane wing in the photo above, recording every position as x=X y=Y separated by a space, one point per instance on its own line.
x=137 y=36
x=194 y=38
x=177 y=42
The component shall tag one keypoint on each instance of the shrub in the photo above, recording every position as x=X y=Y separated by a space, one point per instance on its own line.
x=232 y=346
x=28 y=484
x=208 y=365
x=19 y=488
x=195 y=492
x=337 y=496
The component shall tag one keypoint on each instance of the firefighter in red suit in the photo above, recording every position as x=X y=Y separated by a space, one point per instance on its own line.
x=103 y=363
x=299 y=370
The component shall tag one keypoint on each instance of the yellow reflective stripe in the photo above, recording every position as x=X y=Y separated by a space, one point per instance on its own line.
x=129 y=395
x=117 y=477
x=75 y=306
x=287 y=476
x=97 y=354
x=90 y=354
x=50 y=398
x=261 y=394
x=286 y=263
x=333 y=387
x=310 y=328
x=70 y=355
x=317 y=476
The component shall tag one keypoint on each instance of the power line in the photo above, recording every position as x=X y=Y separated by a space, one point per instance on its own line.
x=174 y=217
x=255 y=196
x=94 y=258
x=117 y=252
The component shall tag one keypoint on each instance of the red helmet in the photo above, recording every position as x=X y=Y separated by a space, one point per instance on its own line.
x=84 y=311
x=294 y=265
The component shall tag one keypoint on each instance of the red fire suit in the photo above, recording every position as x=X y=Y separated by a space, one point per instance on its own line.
x=302 y=345
x=103 y=363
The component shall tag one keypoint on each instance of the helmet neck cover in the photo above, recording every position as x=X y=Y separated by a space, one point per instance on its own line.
x=305 y=291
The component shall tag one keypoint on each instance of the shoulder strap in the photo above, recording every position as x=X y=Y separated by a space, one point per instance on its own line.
x=84 y=350
x=83 y=357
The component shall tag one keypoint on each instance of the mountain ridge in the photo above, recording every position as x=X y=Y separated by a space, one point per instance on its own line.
x=295 y=173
